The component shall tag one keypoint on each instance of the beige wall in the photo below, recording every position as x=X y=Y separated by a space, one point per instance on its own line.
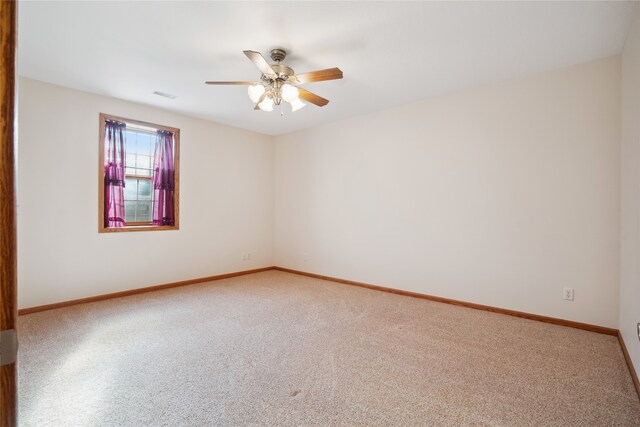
x=226 y=201
x=630 y=194
x=501 y=195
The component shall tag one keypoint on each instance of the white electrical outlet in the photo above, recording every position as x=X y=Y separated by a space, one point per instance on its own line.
x=567 y=294
x=245 y=256
x=639 y=330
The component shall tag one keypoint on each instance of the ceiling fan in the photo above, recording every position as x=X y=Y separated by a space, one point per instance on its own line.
x=279 y=82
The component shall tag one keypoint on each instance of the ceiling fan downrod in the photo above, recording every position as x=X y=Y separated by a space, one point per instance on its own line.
x=278 y=55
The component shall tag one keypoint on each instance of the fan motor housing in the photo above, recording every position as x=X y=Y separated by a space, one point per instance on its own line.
x=283 y=71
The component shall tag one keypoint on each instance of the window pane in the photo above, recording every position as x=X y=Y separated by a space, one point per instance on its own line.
x=130 y=189
x=139 y=172
x=144 y=211
x=144 y=189
x=143 y=162
x=131 y=158
x=129 y=211
x=130 y=142
x=147 y=146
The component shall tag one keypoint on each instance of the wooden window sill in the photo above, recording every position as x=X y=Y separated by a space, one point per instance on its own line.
x=138 y=228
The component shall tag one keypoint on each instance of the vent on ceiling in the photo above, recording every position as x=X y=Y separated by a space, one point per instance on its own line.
x=165 y=95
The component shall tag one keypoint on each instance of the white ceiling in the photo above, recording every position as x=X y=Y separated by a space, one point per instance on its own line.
x=391 y=53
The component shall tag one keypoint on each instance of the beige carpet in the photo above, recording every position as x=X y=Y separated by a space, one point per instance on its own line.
x=280 y=349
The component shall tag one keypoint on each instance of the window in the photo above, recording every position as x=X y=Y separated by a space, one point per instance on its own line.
x=139 y=161
x=139 y=175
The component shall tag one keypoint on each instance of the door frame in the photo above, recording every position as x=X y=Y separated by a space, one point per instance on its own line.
x=8 y=247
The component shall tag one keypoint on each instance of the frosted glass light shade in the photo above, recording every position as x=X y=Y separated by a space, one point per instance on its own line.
x=296 y=104
x=289 y=93
x=255 y=92
x=266 y=104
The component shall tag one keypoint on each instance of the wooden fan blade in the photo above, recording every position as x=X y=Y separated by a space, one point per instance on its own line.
x=230 y=83
x=312 y=97
x=318 y=76
x=259 y=101
x=260 y=62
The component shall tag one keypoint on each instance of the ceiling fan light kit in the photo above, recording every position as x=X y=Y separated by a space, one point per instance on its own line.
x=266 y=104
x=296 y=104
x=256 y=92
x=289 y=93
x=279 y=83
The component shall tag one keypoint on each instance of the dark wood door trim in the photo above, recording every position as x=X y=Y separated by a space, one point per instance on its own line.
x=8 y=265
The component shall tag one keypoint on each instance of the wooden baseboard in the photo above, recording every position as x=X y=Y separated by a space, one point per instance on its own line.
x=36 y=309
x=546 y=319
x=634 y=375
x=554 y=320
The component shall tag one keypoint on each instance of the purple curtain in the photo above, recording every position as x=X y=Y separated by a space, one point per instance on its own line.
x=114 y=152
x=163 y=180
